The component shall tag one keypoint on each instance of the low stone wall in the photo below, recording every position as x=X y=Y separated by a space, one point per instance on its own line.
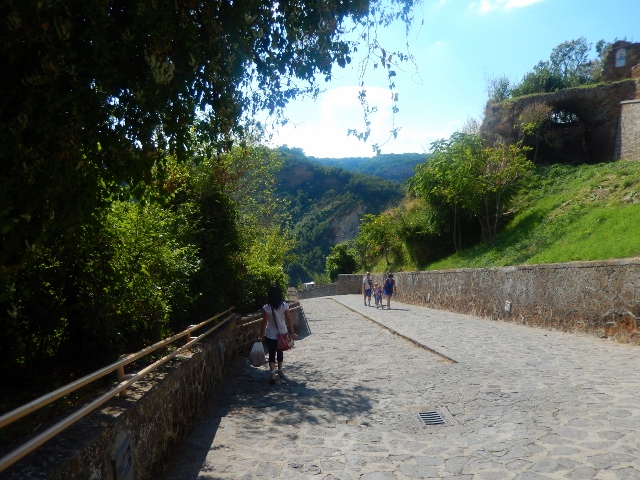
x=155 y=415
x=599 y=298
x=346 y=284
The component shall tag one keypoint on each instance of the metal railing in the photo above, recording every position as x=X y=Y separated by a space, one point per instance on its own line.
x=125 y=382
x=252 y=322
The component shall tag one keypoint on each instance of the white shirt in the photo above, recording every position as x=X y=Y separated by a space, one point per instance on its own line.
x=271 y=331
x=367 y=282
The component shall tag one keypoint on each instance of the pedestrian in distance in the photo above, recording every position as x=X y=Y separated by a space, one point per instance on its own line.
x=377 y=294
x=276 y=320
x=367 y=286
x=389 y=289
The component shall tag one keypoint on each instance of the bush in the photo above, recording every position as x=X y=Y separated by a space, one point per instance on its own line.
x=342 y=259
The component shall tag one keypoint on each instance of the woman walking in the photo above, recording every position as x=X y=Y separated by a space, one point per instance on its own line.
x=276 y=320
x=389 y=288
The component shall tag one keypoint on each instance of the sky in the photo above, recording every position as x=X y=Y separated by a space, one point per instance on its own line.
x=457 y=45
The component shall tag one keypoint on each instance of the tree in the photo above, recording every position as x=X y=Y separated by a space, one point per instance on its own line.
x=463 y=174
x=380 y=232
x=471 y=126
x=364 y=249
x=246 y=176
x=534 y=122
x=570 y=60
x=96 y=93
x=501 y=169
x=568 y=66
x=542 y=79
x=498 y=88
x=341 y=259
x=446 y=180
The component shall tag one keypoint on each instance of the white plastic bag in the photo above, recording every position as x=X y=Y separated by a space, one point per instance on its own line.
x=256 y=357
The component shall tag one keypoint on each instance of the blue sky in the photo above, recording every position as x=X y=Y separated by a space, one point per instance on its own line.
x=460 y=44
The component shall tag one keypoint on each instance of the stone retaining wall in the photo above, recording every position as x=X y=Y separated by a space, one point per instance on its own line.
x=599 y=298
x=155 y=415
x=346 y=284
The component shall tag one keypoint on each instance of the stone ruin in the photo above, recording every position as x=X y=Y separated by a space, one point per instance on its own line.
x=589 y=124
x=623 y=61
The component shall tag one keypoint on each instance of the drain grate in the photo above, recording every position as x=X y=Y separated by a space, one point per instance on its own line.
x=431 y=418
x=439 y=416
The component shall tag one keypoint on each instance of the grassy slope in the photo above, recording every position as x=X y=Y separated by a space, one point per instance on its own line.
x=588 y=212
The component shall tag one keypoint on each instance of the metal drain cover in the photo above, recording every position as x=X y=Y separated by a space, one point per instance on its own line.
x=431 y=418
x=438 y=416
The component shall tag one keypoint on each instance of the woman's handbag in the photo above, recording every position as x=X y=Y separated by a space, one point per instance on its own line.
x=285 y=341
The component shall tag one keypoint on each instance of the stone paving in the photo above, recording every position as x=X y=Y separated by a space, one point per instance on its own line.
x=529 y=403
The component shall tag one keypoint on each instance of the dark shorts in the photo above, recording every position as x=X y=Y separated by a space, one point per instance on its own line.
x=367 y=292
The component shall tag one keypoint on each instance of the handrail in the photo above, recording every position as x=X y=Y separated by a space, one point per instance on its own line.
x=251 y=322
x=20 y=412
x=38 y=403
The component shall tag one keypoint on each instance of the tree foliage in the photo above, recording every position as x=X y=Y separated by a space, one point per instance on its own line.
x=535 y=124
x=341 y=259
x=447 y=181
x=106 y=241
x=470 y=179
x=94 y=93
x=380 y=232
x=569 y=65
x=498 y=88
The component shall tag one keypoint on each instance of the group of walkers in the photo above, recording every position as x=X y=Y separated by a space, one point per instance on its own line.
x=387 y=289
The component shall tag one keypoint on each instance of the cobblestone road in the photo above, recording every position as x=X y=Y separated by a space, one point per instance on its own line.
x=529 y=403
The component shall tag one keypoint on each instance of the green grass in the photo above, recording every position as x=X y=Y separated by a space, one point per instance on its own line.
x=588 y=212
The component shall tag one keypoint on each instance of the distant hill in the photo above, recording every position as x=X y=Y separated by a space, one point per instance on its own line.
x=397 y=167
x=326 y=206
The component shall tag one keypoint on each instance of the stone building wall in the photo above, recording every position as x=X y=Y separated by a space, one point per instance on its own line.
x=597 y=298
x=628 y=144
x=620 y=61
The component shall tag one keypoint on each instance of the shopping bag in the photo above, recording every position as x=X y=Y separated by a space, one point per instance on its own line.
x=256 y=357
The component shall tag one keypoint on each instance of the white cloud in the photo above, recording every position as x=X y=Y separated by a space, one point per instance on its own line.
x=520 y=3
x=335 y=112
x=484 y=6
x=323 y=133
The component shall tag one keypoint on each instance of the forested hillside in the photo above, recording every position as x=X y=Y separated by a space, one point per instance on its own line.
x=326 y=204
x=390 y=166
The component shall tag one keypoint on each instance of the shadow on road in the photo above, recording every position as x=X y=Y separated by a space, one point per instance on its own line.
x=308 y=396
